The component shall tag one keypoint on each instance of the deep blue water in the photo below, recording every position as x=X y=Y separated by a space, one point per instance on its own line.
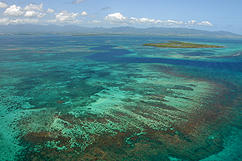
x=115 y=56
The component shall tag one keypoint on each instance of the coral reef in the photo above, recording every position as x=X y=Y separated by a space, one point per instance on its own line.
x=149 y=119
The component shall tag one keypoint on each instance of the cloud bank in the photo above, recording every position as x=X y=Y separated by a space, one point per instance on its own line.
x=7 y=21
x=32 y=14
x=118 y=18
x=36 y=14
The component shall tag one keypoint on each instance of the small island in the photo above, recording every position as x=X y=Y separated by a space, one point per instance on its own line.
x=179 y=44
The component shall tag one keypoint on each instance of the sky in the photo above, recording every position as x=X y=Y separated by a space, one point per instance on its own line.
x=212 y=15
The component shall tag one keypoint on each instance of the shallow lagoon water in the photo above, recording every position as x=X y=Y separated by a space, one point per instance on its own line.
x=110 y=98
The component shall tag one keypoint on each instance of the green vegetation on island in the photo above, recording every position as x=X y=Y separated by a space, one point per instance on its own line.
x=179 y=44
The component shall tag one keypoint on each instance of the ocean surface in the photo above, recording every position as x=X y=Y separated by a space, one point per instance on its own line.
x=110 y=98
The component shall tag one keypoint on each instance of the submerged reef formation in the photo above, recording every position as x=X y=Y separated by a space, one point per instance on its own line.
x=179 y=44
x=148 y=114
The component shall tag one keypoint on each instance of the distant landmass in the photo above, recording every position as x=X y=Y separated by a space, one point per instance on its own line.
x=82 y=31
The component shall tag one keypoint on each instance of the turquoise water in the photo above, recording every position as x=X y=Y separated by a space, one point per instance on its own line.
x=110 y=98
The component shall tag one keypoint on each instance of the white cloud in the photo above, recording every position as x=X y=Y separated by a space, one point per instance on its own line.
x=14 y=11
x=171 y=23
x=192 y=22
x=50 y=10
x=24 y=21
x=96 y=21
x=64 y=15
x=195 y=23
x=41 y=15
x=205 y=23
x=118 y=18
x=31 y=14
x=3 y=5
x=77 y=1
x=28 y=11
x=4 y=21
x=84 y=13
x=144 y=20
x=51 y=21
x=34 y=7
x=34 y=14
x=7 y=21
